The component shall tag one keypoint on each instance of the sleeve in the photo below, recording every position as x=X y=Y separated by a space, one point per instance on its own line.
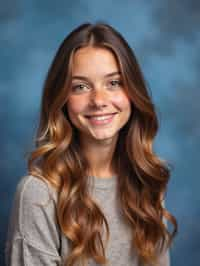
x=23 y=253
x=33 y=234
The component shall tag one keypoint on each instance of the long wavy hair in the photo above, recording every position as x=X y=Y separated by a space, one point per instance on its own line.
x=142 y=177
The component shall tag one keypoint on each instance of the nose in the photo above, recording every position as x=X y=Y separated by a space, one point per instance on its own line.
x=99 y=98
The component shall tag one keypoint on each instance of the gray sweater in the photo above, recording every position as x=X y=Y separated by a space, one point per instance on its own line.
x=34 y=237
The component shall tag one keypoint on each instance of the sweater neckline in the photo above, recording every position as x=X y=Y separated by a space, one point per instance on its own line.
x=104 y=182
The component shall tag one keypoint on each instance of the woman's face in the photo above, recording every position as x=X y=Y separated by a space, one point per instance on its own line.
x=97 y=105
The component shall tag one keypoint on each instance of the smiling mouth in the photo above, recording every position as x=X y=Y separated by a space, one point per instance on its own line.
x=100 y=115
x=101 y=119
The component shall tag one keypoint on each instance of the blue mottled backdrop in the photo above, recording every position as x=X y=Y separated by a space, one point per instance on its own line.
x=166 y=38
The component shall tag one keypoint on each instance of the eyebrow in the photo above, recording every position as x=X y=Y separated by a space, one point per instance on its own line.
x=105 y=76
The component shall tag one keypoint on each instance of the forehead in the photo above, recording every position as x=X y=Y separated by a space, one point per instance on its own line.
x=94 y=61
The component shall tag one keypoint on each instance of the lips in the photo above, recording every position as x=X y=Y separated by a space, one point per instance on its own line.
x=99 y=115
x=102 y=119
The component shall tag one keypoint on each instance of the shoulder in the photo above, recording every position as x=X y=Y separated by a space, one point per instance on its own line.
x=33 y=197
x=31 y=189
x=33 y=215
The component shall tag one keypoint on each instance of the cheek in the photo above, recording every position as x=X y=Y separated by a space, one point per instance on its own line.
x=76 y=105
x=122 y=101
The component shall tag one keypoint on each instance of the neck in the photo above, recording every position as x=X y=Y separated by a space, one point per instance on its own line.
x=99 y=155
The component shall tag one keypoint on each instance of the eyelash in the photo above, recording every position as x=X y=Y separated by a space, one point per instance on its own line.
x=117 y=82
x=76 y=87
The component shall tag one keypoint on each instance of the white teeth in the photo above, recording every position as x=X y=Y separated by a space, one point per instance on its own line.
x=101 y=117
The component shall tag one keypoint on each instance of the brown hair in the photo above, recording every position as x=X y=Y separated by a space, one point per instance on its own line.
x=142 y=176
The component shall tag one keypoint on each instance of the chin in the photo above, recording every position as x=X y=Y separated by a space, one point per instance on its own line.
x=99 y=135
x=104 y=136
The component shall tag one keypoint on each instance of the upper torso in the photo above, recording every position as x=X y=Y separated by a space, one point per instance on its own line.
x=34 y=235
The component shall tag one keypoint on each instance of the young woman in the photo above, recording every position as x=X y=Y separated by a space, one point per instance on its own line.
x=95 y=188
